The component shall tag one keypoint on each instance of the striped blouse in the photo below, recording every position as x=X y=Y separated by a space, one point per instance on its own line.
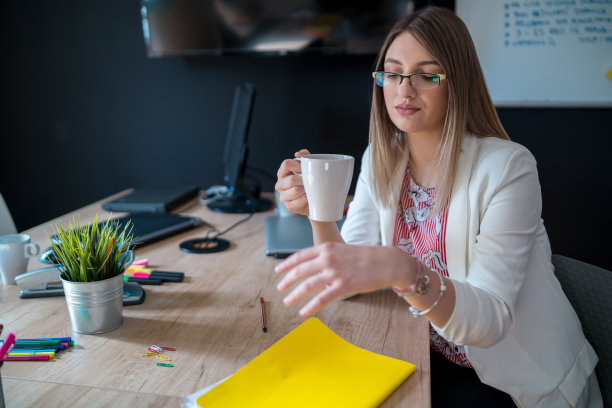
x=422 y=236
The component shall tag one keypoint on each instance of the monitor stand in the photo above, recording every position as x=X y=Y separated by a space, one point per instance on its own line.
x=240 y=203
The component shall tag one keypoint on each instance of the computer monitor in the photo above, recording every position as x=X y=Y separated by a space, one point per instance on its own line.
x=243 y=196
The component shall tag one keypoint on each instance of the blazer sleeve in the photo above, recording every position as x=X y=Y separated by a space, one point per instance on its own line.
x=506 y=204
x=362 y=224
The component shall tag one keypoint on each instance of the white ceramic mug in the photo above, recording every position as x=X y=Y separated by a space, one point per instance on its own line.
x=15 y=252
x=327 y=179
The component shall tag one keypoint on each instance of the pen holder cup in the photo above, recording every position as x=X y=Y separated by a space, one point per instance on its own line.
x=95 y=307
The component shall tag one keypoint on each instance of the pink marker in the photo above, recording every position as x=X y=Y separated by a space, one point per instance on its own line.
x=7 y=345
x=141 y=262
x=27 y=358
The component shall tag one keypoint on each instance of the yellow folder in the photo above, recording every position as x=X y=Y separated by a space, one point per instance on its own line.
x=311 y=367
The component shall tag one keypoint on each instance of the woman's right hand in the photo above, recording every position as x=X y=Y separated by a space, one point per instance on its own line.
x=290 y=186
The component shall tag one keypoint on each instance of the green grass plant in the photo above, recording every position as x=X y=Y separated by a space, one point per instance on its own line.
x=92 y=252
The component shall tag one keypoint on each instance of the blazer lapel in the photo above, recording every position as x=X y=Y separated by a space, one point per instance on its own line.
x=387 y=215
x=457 y=232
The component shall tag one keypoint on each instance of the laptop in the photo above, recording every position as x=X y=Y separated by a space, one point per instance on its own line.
x=151 y=227
x=146 y=228
x=156 y=200
x=288 y=234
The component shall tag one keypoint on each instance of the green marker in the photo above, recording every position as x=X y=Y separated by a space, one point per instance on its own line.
x=36 y=342
x=165 y=365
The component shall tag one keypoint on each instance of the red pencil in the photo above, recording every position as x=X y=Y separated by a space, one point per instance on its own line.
x=263 y=315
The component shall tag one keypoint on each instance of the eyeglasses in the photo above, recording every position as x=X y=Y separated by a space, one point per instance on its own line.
x=420 y=80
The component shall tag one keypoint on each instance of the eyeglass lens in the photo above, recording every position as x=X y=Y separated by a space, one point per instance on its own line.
x=423 y=81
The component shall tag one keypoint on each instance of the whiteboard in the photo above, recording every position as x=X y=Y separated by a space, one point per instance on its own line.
x=543 y=52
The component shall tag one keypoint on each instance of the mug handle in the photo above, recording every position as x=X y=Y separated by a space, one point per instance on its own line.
x=300 y=160
x=31 y=249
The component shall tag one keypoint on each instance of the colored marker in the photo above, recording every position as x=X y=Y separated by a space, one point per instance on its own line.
x=61 y=339
x=161 y=275
x=147 y=281
x=155 y=275
x=141 y=262
x=139 y=275
x=27 y=358
x=7 y=345
x=46 y=348
x=30 y=351
x=51 y=354
x=37 y=342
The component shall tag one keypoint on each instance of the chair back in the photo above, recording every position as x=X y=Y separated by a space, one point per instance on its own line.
x=7 y=226
x=589 y=290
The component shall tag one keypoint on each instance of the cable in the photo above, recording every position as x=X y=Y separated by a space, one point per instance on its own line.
x=211 y=242
x=231 y=227
x=260 y=171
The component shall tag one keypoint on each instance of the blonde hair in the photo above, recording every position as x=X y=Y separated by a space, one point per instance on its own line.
x=469 y=108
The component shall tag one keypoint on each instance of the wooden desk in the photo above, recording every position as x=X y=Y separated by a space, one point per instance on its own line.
x=212 y=319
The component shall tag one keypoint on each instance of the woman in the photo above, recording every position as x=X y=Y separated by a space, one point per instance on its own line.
x=447 y=213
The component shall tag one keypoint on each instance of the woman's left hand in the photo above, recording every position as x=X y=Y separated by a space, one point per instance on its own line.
x=333 y=270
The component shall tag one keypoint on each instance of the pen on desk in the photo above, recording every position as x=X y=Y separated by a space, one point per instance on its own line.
x=61 y=339
x=51 y=354
x=20 y=342
x=37 y=348
x=6 y=347
x=150 y=273
x=33 y=351
x=155 y=275
x=141 y=262
x=27 y=358
x=264 y=327
x=144 y=281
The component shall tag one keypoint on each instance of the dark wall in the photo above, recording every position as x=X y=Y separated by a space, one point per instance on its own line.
x=84 y=113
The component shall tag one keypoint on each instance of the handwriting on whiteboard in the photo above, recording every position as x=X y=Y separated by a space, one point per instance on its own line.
x=549 y=23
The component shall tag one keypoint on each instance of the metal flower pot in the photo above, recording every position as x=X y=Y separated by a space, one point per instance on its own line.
x=96 y=307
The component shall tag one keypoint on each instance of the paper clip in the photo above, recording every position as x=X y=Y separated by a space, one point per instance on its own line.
x=168 y=348
x=165 y=365
x=155 y=349
x=148 y=354
x=164 y=358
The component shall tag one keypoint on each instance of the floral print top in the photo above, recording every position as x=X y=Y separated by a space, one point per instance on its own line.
x=424 y=237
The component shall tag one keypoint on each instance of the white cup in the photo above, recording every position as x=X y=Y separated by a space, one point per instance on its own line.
x=15 y=252
x=326 y=178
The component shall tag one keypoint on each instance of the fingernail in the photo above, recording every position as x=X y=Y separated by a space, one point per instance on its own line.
x=287 y=300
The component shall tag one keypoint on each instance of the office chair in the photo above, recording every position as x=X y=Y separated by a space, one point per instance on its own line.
x=7 y=226
x=588 y=288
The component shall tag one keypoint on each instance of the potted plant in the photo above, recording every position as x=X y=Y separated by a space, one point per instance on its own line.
x=92 y=260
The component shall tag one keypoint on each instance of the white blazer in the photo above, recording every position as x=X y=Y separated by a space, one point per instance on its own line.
x=520 y=332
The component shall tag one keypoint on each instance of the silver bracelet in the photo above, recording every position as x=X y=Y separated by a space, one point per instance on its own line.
x=417 y=313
